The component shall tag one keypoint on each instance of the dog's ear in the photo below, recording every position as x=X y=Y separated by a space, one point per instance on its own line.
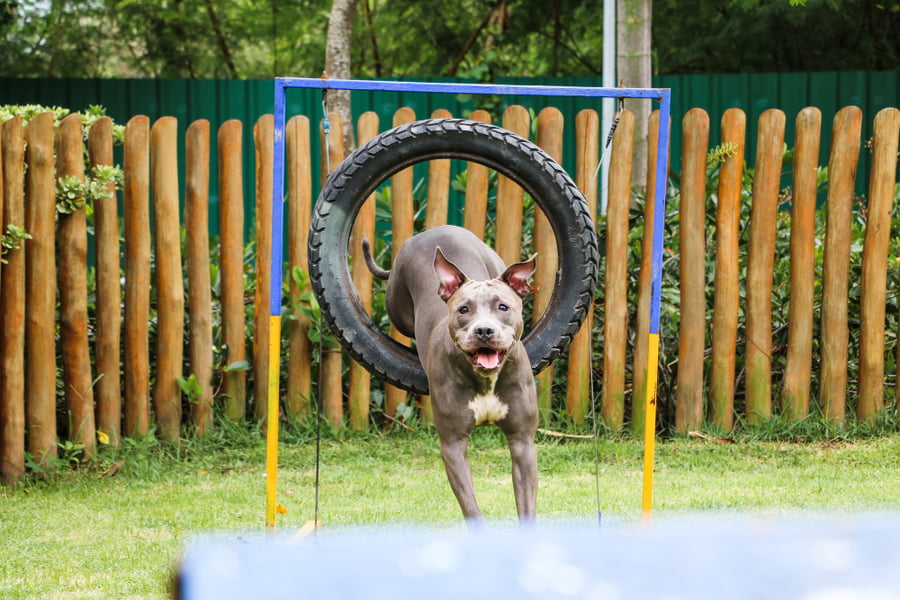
x=516 y=276
x=449 y=276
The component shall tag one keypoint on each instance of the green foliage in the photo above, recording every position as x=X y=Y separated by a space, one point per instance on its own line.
x=741 y=36
x=73 y=194
x=70 y=453
x=718 y=155
x=304 y=302
x=12 y=239
x=94 y=113
x=400 y=39
x=28 y=111
x=190 y=387
x=89 y=116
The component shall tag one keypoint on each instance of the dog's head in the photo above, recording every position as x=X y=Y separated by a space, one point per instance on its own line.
x=485 y=316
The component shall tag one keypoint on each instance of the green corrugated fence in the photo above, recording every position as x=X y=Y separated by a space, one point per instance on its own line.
x=247 y=100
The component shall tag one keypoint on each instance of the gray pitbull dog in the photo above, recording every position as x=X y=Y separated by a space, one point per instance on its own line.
x=454 y=295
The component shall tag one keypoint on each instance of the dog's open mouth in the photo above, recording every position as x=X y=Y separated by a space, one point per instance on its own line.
x=487 y=358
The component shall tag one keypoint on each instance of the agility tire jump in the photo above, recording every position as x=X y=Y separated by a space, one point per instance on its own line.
x=348 y=187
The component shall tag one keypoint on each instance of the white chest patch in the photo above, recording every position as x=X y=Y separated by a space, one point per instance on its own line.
x=488 y=409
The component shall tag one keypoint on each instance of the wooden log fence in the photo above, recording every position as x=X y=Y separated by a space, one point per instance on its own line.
x=12 y=308
x=40 y=284
x=727 y=273
x=105 y=353
x=136 y=218
x=169 y=279
x=692 y=267
x=231 y=268
x=71 y=238
x=842 y=163
x=107 y=341
x=798 y=370
x=199 y=299
x=299 y=194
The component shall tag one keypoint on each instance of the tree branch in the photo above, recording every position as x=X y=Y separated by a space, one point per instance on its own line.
x=220 y=37
x=376 y=57
x=468 y=45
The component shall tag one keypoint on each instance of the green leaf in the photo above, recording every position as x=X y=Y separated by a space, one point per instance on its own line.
x=238 y=365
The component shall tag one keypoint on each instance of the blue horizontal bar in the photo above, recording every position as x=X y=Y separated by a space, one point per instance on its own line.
x=470 y=88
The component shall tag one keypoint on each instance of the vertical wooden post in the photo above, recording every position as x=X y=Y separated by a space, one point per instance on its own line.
x=438 y=185
x=692 y=269
x=874 y=264
x=477 y=176
x=760 y=264
x=842 y=164
x=71 y=235
x=169 y=278
x=1 y=181
x=332 y=392
x=798 y=369
x=645 y=282
x=231 y=265
x=727 y=285
x=199 y=289
x=108 y=390
x=136 y=216
x=299 y=193
x=12 y=308
x=615 y=313
x=332 y=387
x=360 y=380
x=549 y=137
x=587 y=155
x=402 y=214
x=264 y=143
x=510 y=195
x=40 y=295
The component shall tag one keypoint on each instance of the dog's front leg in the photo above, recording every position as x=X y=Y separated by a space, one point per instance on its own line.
x=453 y=452
x=524 y=475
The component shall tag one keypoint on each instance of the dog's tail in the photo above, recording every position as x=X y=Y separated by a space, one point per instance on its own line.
x=370 y=262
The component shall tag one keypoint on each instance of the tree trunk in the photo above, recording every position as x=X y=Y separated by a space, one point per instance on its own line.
x=337 y=63
x=634 y=68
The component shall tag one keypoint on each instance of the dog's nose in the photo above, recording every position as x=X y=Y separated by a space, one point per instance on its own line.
x=484 y=332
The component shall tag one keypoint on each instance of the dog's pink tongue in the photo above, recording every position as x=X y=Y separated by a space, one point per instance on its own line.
x=487 y=359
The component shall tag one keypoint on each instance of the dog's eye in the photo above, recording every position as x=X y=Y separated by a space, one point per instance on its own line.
x=503 y=307
x=463 y=310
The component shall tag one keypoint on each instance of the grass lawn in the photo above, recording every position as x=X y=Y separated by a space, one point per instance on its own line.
x=90 y=534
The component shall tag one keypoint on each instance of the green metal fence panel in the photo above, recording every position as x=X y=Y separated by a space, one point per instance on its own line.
x=246 y=100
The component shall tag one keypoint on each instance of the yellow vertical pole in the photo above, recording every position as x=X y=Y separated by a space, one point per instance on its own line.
x=650 y=427
x=272 y=423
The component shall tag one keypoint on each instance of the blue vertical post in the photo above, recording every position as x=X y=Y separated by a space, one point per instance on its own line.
x=659 y=220
x=275 y=311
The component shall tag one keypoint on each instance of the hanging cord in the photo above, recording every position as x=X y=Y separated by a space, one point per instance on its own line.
x=596 y=436
x=315 y=532
x=594 y=420
x=609 y=137
x=326 y=129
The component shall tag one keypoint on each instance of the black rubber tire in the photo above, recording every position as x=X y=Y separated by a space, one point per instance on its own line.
x=362 y=172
